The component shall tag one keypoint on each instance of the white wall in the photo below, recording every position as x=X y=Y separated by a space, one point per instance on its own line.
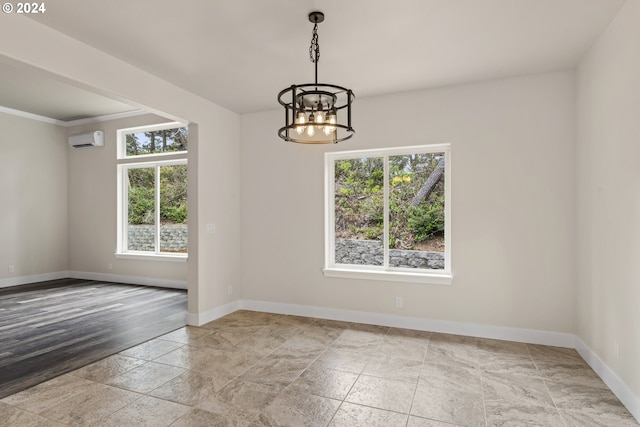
x=608 y=177
x=214 y=262
x=93 y=212
x=513 y=205
x=514 y=194
x=33 y=189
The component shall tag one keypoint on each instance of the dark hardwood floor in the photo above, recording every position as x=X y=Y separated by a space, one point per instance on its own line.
x=51 y=328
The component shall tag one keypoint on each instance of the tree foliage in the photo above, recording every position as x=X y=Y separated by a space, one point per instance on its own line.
x=359 y=200
x=142 y=181
x=158 y=141
x=173 y=194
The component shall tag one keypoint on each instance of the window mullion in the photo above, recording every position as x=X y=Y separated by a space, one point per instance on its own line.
x=385 y=238
x=157 y=205
x=123 y=214
x=330 y=219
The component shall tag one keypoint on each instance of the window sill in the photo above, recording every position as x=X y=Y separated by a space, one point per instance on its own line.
x=152 y=257
x=390 y=276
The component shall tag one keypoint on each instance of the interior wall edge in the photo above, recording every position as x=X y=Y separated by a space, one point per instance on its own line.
x=85 y=275
x=33 y=278
x=133 y=280
x=199 y=319
x=628 y=398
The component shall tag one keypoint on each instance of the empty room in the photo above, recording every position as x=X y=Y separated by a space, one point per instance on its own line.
x=303 y=213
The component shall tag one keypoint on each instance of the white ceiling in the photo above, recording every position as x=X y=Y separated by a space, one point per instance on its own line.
x=241 y=53
x=29 y=90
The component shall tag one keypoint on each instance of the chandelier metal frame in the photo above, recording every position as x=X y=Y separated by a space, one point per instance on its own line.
x=313 y=111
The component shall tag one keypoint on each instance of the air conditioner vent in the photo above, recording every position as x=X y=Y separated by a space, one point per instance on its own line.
x=87 y=139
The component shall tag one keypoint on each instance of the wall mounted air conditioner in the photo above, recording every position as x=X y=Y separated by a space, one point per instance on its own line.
x=87 y=139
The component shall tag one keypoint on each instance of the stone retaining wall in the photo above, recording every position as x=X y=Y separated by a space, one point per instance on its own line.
x=370 y=252
x=173 y=237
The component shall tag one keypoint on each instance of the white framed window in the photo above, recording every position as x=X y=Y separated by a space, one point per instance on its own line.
x=388 y=214
x=152 y=192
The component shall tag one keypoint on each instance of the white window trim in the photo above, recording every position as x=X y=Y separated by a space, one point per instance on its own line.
x=152 y=256
x=386 y=273
x=122 y=133
x=143 y=161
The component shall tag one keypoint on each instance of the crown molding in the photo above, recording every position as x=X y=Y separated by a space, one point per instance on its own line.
x=105 y=118
x=31 y=116
x=88 y=120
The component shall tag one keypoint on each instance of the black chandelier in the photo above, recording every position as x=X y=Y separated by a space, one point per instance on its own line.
x=313 y=111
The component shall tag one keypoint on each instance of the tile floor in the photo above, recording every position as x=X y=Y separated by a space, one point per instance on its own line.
x=257 y=369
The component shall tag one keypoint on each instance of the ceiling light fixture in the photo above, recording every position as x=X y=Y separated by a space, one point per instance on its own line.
x=313 y=110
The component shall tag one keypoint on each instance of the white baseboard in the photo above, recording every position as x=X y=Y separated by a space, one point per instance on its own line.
x=617 y=386
x=134 y=280
x=213 y=314
x=530 y=336
x=34 y=278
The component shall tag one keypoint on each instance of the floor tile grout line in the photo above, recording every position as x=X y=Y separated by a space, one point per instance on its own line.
x=327 y=346
x=344 y=399
x=269 y=354
x=350 y=389
x=546 y=386
x=138 y=397
x=338 y=408
x=141 y=393
x=382 y=409
x=191 y=370
x=33 y=413
x=484 y=403
x=415 y=390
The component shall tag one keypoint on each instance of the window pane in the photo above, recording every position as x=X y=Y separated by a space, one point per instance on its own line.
x=359 y=211
x=141 y=233
x=416 y=211
x=157 y=141
x=173 y=208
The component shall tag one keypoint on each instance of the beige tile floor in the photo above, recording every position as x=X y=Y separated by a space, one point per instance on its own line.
x=258 y=369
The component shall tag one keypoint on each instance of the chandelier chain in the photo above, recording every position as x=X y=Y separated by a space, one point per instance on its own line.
x=315 y=113
x=314 y=49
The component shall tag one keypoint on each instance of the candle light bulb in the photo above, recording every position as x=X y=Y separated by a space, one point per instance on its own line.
x=301 y=119
x=332 y=119
x=311 y=129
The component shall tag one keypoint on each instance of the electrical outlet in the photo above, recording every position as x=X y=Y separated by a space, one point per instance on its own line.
x=110 y=266
x=12 y=269
x=399 y=302
x=229 y=290
x=616 y=351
